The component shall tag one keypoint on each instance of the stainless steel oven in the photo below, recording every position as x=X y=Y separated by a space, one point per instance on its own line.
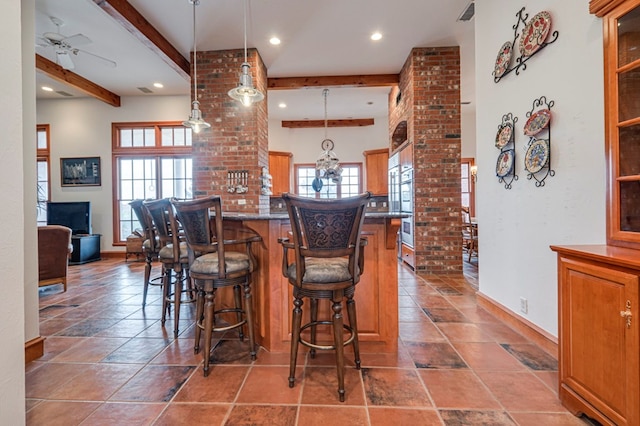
x=406 y=191
x=394 y=183
x=406 y=231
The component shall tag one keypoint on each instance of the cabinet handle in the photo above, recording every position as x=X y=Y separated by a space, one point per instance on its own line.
x=627 y=314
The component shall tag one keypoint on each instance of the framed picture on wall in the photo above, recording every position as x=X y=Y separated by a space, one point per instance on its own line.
x=82 y=171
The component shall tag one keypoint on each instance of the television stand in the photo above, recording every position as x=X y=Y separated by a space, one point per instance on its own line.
x=86 y=248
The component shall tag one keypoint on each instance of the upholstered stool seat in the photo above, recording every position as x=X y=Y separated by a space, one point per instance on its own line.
x=327 y=259
x=150 y=246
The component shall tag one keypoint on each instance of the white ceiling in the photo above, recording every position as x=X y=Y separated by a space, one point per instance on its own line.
x=319 y=38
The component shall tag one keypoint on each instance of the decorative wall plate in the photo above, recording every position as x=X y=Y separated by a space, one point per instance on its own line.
x=535 y=33
x=503 y=60
x=504 y=166
x=538 y=121
x=537 y=156
x=503 y=137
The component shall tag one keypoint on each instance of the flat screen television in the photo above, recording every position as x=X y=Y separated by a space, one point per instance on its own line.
x=73 y=214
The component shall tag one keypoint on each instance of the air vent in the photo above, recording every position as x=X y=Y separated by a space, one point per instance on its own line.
x=63 y=93
x=468 y=13
x=144 y=90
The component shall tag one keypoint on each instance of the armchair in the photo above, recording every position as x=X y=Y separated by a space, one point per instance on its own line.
x=54 y=249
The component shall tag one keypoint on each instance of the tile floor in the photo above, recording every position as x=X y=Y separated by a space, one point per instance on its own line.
x=107 y=361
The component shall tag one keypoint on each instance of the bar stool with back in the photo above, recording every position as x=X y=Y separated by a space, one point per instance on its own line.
x=149 y=246
x=174 y=257
x=212 y=266
x=328 y=259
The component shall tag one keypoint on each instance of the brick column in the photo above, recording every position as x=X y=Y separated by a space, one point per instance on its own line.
x=430 y=102
x=238 y=138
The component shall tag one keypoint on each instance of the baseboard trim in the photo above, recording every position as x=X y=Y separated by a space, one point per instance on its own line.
x=33 y=349
x=113 y=254
x=540 y=337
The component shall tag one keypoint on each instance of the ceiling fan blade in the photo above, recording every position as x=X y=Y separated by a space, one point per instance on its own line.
x=43 y=42
x=64 y=60
x=107 y=62
x=77 y=40
x=53 y=37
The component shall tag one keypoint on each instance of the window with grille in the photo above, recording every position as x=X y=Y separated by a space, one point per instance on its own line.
x=150 y=161
x=467 y=182
x=43 y=173
x=349 y=186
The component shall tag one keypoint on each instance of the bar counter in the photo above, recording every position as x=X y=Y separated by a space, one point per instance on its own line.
x=376 y=293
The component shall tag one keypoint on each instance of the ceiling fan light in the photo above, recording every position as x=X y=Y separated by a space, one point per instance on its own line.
x=195 y=120
x=245 y=93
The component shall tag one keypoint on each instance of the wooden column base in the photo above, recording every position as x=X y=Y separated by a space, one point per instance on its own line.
x=33 y=349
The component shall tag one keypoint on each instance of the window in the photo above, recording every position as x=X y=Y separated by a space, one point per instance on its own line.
x=42 y=164
x=150 y=161
x=467 y=180
x=350 y=185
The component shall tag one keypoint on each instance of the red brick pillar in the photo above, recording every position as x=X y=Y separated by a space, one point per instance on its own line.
x=238 y=138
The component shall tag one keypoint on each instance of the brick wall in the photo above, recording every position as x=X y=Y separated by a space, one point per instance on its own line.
x=238 y=138
x=430 y=102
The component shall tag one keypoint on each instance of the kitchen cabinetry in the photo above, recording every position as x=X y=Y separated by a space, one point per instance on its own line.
x=281 y=171
x=621 y=20
x=598 y=333
x=376 y=163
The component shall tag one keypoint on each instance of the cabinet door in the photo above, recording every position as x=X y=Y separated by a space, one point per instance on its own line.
x=280 y=166
x=377 y=169
x=599 y=355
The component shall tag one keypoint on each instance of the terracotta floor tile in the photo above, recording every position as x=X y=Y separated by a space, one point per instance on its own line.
x=547 y=419
x=265 y=357
x=154 y=384
x=221 y=385
x=459 y=389
x=129 y=414
x=406 y=301
x=97 y=383
x=384 y=416
x=410 y=314
x=56 y=345
x=438 y=315
x=60 y=413
x=334 y=416
x=137 y=350
x=90 y=350
x=179 y=352
x=520 y=391
x=463 y=332
x=55 y=325
x=272 y=415
x=477 y=314
x=420 y=332
x=549 y=378
x=432 y=301
x=470 y=417
x=394 y=387
x=127 y=328
x=434 y=355
x=531 y=356
x=320 y=386
x=488 y=356
x=45 y=380
x=87 y=328
x=194 y=414
x=399 y=359
x=266 y=384
x=502 y=333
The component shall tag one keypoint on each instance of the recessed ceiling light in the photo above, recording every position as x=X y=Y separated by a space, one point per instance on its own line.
x=47 y=89
x=370 y=103
x=158 y=85
x=376 y=36
x=282 y=105
x=274 y=40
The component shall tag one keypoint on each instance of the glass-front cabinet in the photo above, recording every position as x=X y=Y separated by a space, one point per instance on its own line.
x=622 y=121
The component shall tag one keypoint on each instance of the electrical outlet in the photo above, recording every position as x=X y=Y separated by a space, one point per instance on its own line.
x=242 y=202
x=524 y=305
x=384 y=204
x=373 y=204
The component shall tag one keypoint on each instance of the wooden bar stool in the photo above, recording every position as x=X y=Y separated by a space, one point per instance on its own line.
x=174 y=257
x=328 y=259
x=149 y=246
x=212 y=267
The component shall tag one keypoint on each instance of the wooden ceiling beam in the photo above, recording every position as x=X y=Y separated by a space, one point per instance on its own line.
x=127 y=16
x=58 y=73
x=303 y=124
x=377 y=80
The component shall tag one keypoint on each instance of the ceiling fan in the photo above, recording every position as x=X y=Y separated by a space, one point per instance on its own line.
x=66 y=46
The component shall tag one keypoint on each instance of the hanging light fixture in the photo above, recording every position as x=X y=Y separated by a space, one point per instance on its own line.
x=195 y=120
x=327 y=165
x=245 y=92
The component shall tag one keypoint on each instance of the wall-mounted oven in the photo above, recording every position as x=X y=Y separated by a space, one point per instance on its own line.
x=394 y=183
x=406 y=206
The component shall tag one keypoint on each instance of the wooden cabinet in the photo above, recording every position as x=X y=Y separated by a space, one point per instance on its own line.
x=406 y=157
x=621 y=21
x=281 y=171
x=408 y=255
x=376 y=163
x=598 y=334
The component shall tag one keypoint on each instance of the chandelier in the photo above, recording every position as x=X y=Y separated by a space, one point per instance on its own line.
x=327 y=165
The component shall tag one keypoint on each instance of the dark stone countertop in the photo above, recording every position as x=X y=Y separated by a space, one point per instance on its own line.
x=285 y=216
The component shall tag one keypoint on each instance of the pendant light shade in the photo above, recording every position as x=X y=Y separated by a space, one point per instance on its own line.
x=245 y=93
x=195 y=120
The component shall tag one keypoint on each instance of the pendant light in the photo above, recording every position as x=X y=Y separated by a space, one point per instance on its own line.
x=195 y=120
x=327 y=165
x=245 y=92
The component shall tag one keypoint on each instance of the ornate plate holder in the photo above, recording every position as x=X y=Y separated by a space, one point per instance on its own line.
x=522 y=59
x=508 y=120
x=544 y=133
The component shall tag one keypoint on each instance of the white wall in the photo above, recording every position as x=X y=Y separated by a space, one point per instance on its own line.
x=349 y=142
x=12 y=251
x=518 y=225
x=82 y=128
